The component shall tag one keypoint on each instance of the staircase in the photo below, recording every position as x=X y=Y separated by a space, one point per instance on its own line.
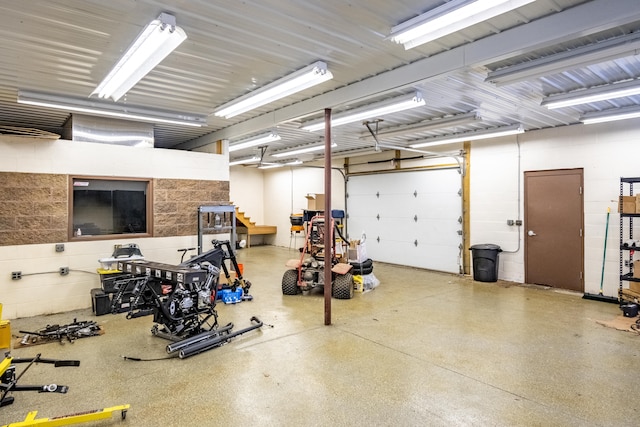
x=252 y=229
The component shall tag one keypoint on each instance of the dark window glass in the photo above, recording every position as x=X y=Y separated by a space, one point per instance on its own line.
x=105 y=207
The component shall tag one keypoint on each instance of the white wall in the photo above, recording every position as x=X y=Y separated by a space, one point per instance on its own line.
x=282 y=192
x=606 y=152
x=50 y=292
x=246 y=191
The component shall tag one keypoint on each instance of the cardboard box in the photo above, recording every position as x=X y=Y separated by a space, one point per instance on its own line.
x=636 y=269
x=627 y=204
x=315 y=202
x=634 y=286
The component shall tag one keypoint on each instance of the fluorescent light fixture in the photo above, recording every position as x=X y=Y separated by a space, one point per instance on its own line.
x=426 y=125
x=370 y=111
x=302 y=150
x=245 y=161
x=305 y=78
x=611 y=115
x=109 y=109
x=253 y=142
x=279 y=165
x=154 y=43
x=571 y=59
x=470 y=136
x=595 y=94
x=452 y=16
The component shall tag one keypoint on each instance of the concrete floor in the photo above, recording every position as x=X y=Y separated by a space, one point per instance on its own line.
x=423 y=349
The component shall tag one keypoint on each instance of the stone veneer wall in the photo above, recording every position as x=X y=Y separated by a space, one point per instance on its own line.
x=176 y=201
x=35 y=207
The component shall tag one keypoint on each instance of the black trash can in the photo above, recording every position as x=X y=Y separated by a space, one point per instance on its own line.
x=485 y=262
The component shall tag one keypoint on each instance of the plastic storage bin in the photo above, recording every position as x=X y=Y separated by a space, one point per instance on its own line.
x=485 y=262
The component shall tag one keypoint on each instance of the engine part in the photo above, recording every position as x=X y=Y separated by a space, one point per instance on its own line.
x=182 y=298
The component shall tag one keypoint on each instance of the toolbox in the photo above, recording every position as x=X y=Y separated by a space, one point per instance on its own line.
x=101 y=302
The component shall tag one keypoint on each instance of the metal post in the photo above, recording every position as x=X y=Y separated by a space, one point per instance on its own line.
x=328 y=228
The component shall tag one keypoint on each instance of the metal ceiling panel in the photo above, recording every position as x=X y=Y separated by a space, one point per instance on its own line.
x=67 y=46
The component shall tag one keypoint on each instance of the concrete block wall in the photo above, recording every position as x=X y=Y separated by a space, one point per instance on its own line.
x=184 y=180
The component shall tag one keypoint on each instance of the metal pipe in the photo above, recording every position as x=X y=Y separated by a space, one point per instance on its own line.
x=197 y=338
x=328 y=228
x=209 y=344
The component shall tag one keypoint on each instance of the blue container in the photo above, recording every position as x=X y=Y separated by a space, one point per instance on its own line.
x=230 y=297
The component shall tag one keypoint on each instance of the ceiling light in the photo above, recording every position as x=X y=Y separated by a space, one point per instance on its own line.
x=426 y=125
x=305 y=78
x=279 y=165
x=109 y=109
x=253 y=142
x=155 y=42
x=452 y=16
x=370 y=111
x=302 y=150
x=245 y=161
x=571 y=59
x=470 y=136
x=611 y=115
x=595 y=94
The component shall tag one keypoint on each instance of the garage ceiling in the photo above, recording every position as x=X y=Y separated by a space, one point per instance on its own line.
x=66 y=47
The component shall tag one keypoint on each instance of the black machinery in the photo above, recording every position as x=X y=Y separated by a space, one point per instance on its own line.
x=181 y=298
x=308 y=271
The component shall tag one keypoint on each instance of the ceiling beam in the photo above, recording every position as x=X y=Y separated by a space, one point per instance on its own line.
x=582 y=20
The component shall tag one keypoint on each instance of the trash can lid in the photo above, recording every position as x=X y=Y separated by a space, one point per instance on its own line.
x=486 y=246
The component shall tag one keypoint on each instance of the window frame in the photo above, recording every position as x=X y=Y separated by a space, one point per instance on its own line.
x=148 y=202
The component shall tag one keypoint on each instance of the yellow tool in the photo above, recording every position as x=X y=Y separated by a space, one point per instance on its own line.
x=65 y=420
x=5 y=332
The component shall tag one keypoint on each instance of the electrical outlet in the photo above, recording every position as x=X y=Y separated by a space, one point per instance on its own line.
x=16 y=275
x=59 y=247
x=64 y=271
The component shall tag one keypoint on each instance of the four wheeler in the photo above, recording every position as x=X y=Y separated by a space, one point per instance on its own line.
x=308 y=271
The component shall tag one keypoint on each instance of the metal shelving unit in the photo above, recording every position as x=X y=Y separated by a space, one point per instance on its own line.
x=219 y=219
x=627 y=252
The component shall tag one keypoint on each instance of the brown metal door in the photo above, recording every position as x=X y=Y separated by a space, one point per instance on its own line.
x=553 y=221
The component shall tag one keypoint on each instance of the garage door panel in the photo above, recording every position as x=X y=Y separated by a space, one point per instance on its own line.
x=433 y=257
x=398 y=210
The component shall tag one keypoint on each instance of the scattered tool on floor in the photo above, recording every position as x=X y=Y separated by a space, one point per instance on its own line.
x=600 y=296
x=71 y=332
x=9 y=379
x=83 y=417
x=182 y=298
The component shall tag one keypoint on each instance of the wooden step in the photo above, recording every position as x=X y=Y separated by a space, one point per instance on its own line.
x=252 y=228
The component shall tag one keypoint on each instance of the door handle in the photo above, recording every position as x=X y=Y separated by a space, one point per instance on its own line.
x=531 y=233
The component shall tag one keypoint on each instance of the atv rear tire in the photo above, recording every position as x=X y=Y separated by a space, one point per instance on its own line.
x=343 y=286
x=290 y=283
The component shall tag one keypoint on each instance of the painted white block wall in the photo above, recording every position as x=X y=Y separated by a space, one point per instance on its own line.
x=283 y=192
x=51 y=292
x=606 y=152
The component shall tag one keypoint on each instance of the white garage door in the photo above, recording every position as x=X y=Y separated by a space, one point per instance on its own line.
x=409 y=218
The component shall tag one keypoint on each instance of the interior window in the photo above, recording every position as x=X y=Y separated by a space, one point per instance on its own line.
x=103 y=207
